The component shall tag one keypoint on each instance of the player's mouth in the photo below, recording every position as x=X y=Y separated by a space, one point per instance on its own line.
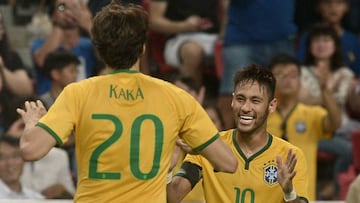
x=246 y=120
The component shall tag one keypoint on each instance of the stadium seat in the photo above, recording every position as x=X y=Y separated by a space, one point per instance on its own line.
x=346 y=178
x=325 y=156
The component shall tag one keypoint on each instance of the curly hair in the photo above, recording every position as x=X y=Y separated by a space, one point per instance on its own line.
x=256 y=73
x=119 y=33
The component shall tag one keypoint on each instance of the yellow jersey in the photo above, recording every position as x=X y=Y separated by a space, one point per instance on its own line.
x=125 y=126
x=304 y=127
x=255 y=180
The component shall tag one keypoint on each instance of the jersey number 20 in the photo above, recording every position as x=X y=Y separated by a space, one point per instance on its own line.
x=134 y=147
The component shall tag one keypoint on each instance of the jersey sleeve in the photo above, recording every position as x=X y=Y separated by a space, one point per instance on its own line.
x=197 y=130
x=195 y=159
x=60 y=120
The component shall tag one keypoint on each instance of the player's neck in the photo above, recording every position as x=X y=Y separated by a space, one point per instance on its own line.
x=285 y=105
x=251 y=144
x=136 y=66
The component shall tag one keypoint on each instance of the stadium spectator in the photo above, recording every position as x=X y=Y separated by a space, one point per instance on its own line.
x=51 y=175
x=191 y=28
x=68 y=16
x=300 y=124
x=61 y=67
x=17 y=77
x=255 y=30
x=324 y=65
x=11 y=166
x=353 y=194
x=333 y=12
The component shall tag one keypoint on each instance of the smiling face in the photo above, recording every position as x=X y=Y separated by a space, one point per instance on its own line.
x=11 y=163
x=322 y=47
x=251 y=107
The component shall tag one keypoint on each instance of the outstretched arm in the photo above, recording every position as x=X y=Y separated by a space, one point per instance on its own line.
x=35 y=142
x=217 y=153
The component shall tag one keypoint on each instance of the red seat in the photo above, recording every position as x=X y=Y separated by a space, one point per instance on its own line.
x=325 y=156
x=346 y=178
x=355 y=141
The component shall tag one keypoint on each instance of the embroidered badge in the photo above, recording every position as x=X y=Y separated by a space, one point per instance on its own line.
x=300 y=127
x=270 y=173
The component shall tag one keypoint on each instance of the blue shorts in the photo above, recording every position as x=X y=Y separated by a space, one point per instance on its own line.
x=238 y=56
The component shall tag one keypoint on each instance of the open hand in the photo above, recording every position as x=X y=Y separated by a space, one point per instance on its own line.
x=286 y=171
x=32 y=113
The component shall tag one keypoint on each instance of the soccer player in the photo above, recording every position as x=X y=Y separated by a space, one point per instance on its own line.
x=300 y=124
x=125 y=123
x=270 y=169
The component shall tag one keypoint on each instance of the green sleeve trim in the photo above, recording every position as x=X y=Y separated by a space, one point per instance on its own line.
x=51 y=132
x=180 y=174
x=304 y=198
x=201 y=147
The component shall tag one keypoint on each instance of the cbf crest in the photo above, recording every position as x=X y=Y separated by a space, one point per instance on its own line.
x=270 y=173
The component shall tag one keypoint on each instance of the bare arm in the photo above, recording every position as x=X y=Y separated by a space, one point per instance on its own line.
x=56 y=191
x=223 y=5
x=217 y=153
x=18 y=82
x=333 y=120
x=35 y=142
x=177 y=189
x=51 y=43
x=220 y=156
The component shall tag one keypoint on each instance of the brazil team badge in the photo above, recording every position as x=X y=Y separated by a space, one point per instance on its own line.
x=270 y=174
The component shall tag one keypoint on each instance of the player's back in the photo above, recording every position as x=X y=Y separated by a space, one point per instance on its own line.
x=125 y=134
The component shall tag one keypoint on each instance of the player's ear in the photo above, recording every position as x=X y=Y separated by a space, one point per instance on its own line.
x=272 y=105
x=232 y=100
x=143 y=51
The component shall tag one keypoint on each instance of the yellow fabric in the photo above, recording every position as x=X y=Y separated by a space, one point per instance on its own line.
x=255 y=178
x=304 y=128
x=126 y=125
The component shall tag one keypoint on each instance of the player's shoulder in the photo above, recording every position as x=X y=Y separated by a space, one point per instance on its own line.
x=227 y=134
x=309 y=109
x=280 y=143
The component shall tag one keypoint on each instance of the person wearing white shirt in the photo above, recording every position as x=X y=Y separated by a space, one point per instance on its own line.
x=11 y=166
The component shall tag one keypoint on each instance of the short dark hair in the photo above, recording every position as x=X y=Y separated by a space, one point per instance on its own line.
x=57 y=60
x=283 y=59
x=188 y=81
x=9 y=139
x=256 y=73
x=324 y=29
x=119 y=33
